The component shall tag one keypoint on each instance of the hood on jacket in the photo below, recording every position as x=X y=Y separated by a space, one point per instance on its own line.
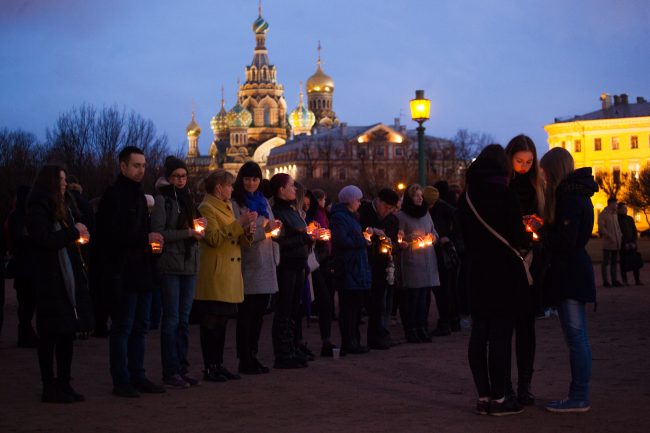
x=486 y=170
x=161 y=182
x=340 y=208
x=580 y=182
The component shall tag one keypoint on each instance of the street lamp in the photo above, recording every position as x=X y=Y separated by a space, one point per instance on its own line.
x=420 y=108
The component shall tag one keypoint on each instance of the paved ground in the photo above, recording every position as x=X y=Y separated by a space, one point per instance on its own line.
x=413 y=388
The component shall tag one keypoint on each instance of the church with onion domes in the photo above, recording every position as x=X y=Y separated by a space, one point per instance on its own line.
x=259 y=121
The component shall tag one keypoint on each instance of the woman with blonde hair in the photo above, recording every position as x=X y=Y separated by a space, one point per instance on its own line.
x=569 y=217
x=220 y=286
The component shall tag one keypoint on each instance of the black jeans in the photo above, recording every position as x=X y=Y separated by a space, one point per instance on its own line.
x=213 y=339
x=610 y=258
x=377 y=332
x=49 y=347
x=413 y=307
x=290 y=284
x=250 y=317
x=525 y=345
x=626 y=258
x=323 y=300
x=489 y=351
x=351 y=302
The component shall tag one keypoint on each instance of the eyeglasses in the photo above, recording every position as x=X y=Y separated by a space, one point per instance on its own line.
x=179 y=176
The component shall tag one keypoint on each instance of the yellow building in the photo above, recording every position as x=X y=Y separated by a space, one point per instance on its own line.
x=614 y=139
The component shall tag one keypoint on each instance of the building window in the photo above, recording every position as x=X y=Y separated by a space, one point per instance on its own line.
x=361 y=154
x=634 y=142
x=341 y=174
x=577 y=146
x=379 y=150
x=398 y=151
x=563 y=145
x=614 y=143
x=598 y=144
x=616 y=175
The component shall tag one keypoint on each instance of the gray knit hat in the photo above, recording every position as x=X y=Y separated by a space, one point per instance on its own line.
x=350 y=193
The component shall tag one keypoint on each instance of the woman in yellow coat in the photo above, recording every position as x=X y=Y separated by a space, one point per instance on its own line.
x=219 y=286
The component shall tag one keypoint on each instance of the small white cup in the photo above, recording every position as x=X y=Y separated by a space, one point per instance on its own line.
x=336 y=353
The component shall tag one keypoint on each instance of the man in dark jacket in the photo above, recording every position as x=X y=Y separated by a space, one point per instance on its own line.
x=629 y=252
x=379 y=215
x=123 y=239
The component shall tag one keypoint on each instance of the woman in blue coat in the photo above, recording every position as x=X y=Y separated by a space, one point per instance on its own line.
x=352 y=271
x=569 y=216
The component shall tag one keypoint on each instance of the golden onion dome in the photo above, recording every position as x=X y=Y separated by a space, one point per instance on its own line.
x=320 y=82
x=193 y=128
x=239 y=117
x=301 y=119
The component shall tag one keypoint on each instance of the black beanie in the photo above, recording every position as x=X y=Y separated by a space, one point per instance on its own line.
x=172 y=163
x=388 y=196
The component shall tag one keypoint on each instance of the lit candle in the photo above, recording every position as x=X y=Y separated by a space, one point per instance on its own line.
x=275 y=232
x=325 y=235
x=156 y=247
x=199 y=225
x=83 y=239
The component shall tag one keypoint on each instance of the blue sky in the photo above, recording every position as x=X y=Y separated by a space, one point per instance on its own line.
x=499 y=67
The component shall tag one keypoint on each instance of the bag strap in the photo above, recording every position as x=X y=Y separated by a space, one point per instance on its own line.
x=501 y=238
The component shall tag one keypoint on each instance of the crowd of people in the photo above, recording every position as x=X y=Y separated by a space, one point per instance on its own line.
x=498 y=252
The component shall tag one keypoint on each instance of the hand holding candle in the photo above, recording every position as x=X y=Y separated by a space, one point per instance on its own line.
x=84 y=235
x=200 y=224
x=156 y=241
x=276 y=226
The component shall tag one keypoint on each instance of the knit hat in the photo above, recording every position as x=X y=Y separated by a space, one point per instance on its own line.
x=350 y=193
x=431 y=195
x=172 y=163
x=388 y=196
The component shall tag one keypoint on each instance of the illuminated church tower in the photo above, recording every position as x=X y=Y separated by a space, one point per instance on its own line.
x=320 y=96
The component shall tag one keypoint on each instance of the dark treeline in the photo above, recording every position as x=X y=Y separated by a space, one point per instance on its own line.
x=86 y=140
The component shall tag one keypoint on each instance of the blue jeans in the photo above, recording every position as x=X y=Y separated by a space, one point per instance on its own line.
x=129 y=326
x=573 y=319
x=177 y=296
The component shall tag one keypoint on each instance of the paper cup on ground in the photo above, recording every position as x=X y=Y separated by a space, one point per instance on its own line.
x=336 y=353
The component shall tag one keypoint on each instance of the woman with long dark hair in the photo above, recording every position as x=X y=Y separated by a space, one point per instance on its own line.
x=258 y=266
x=569 y=217
x=62 y=299
x=526 y=182
x=494 y=236
x=294 y=244
x=173 y=217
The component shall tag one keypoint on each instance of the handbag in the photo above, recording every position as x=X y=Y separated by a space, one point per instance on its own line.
x=311 y=261
x=526 y=260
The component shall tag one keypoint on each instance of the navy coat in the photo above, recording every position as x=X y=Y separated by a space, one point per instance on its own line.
x=572 y=273
x=349 y=250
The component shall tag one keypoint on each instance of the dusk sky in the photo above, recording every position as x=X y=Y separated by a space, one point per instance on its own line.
x=501 y=67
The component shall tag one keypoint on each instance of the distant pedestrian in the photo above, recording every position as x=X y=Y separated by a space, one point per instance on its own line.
x=610 y=232
x=631 y=259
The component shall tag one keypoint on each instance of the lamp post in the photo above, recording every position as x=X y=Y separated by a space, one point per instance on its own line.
x=420 y=108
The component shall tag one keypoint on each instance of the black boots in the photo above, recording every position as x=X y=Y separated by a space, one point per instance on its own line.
x=60 y=391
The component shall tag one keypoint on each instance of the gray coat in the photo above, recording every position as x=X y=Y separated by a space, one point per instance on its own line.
x=259 y=259
x=173 y=260
x=419 y=265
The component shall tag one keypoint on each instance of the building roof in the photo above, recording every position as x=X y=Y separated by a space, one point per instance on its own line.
x=615 y=111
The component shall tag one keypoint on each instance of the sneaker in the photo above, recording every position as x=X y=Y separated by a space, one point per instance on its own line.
x=482 y=407
x=146 y=386
x=305 y=351
x=125 y=390
x=261 y=366
x=67 y=389
x=228 y=375
x=509 y=406
x=617 y=284
x=190 y=380
x=568 y=406
x=176 y=382
x=213 y=374
x=248 y=368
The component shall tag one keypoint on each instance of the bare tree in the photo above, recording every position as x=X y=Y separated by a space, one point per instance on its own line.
x=612 y=183
x=637 y=194
x=467 y=146
x=20 y=157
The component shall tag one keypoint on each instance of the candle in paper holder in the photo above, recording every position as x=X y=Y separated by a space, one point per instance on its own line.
x=156 y=247
x=199 y=225
x=325 y=235
x=83 y=239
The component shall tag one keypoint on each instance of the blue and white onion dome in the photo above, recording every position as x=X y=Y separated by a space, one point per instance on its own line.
x=239 y=117
x=260 y=25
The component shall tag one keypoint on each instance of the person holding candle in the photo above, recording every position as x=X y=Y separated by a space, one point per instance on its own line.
x=125 y=265
x=174 y=216
x=353 y=274
x=380 y=215
x=220 y=285
x=495 y=238
x=258 y=266
x=63 y=304
x=295 y=244
x=419 y=266
x=569 y=216
x=526 y=183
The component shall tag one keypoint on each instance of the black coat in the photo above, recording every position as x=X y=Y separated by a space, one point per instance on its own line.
x=123 y=258
x=390 y=225
x=572 y=273
x=496 y=273
x=294 y=241
x=55 y=313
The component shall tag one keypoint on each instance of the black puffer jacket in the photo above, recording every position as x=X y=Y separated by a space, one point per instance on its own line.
x=293 y=240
